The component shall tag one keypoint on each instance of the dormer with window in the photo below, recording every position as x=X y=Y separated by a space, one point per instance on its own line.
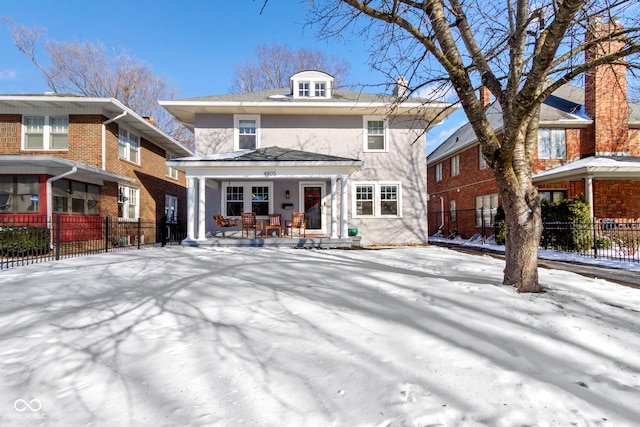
x=311 y=84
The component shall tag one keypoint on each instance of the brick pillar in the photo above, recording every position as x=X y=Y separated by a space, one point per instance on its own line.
x=485 y=96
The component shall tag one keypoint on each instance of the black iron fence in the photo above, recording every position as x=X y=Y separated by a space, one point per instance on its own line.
x=30 y=239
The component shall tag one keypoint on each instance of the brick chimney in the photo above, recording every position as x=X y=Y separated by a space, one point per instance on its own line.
x=151 y=120
x=485 y=96
x=400 y=89
x=606 y=92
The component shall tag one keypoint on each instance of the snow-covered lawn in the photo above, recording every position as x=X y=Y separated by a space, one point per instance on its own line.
x=287 y=337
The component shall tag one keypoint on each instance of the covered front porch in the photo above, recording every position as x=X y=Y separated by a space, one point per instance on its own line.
x=268 y=181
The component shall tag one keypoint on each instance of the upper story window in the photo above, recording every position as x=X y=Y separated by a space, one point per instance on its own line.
x=552 y=144
x=170 y=171
x=246 y=132
x=46 y=133
x=321 y=90
x=455 y=165
x=482 y=164
x=129 y=146
x=19 y=194
x=303 y=89
x=439 y=172
x=375 y=134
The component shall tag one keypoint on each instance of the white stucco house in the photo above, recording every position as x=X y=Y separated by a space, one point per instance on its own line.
x=347 y=159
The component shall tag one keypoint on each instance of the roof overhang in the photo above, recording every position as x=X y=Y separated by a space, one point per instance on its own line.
x=187 y=110
x=109 y=107
x=49 y=165
x=603 y=168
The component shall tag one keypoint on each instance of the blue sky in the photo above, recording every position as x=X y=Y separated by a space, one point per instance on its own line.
x=195 y=44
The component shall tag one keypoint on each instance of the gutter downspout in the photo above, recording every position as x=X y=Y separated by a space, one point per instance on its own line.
x=50 y=195
x=104 y=138
x=442 y=210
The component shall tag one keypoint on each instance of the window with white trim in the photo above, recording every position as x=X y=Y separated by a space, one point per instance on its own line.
x=377 y=199
x=439 y=172
x=241 y=197
x=320 y=89
x=129 y=146
x=171 y=208
x=45 y=133
x=246 y=132
x=455 y=165
x=486 y=208
x=552 y=144
x=303 y=90
x=375 y=134
x=482 y=163
x=170 y=171
x=128 y=202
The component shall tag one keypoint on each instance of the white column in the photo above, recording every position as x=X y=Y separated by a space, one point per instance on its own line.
x=343 y=207
x=191 y=212
x=588 y=193
x=334 y=208
x=201 y=208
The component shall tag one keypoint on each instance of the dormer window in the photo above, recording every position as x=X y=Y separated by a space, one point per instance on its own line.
x=303 y=89
x=311 y=84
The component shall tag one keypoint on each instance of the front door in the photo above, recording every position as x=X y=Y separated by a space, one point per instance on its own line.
x=313 y=195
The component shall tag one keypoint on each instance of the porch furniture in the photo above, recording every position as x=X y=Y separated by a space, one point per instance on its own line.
x=249 y=223
x=223 y=222
x=275 y=223
x=298 y=221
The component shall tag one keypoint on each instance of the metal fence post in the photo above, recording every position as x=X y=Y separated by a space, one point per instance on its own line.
x=595 y=238
x=163 y=231
x=139 y=236
x=58 y=232
x=106 y=234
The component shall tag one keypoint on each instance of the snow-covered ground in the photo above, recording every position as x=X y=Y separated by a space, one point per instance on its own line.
x=288 y=337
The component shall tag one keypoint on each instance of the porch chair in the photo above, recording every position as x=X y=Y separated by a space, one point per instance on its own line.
x=249 y=223
x=298 y=221
x=275 y=223
x=223 y=222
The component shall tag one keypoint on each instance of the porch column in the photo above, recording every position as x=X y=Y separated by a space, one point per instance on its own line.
x=334 y=208
x=588 y=194
x=343 y=207
x=191 y=206
x=201 y=210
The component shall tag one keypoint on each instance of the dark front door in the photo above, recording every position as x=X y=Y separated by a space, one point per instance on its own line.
x=313 y=207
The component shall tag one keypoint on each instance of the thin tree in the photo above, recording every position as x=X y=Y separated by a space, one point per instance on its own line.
x=274 y=64
x=85 y=68
x=521 y=50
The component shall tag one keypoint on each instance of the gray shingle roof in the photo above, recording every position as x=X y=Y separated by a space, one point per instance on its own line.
x=270 y=154
x=566 y=104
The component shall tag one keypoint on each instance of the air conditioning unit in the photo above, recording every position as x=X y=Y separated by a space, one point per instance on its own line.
x=141 y=239
x=124 y=240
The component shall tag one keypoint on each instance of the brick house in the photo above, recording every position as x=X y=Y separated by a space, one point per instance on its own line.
x=588 y=145
x=347 y=159
x=83 y=158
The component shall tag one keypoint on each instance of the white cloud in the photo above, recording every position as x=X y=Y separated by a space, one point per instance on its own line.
x=7 y=74
x=437 y=92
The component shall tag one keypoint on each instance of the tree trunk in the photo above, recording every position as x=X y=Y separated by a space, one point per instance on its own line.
x=523 y=232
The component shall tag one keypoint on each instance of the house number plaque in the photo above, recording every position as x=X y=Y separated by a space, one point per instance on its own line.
x=269 y=173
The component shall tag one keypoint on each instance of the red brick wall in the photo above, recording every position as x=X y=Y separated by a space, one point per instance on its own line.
x=10 y=133
x=616 y=199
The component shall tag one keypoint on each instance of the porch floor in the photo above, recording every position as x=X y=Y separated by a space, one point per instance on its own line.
x=235 y=238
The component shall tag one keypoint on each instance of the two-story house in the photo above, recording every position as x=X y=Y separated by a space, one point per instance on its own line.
x=84 y=157
x=347 y=159
x=588 y=145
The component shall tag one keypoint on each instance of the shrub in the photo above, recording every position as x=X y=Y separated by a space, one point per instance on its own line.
x=568 y=224
x=27 y=240
x=500 y=228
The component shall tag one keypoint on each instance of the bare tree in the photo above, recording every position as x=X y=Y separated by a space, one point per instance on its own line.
x=521 y=50
x=85 y=68
x=275 y=63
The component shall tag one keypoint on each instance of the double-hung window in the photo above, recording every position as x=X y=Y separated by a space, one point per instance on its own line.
x=378 y=199
x=128 y=202
x=19 y=194
x=455 y=165
x=375 y=134
x=482 y=163
x=246 y=132
x=46 y=133
x=171 y=172
x=129 y=146
x=486 y=208
x=439 y=172
x=552 y=144
x=247 y=197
